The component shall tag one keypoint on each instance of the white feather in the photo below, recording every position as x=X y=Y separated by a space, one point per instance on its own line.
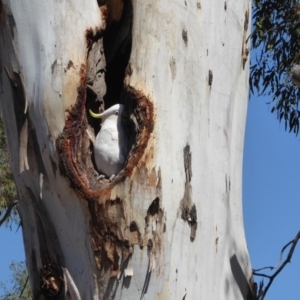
x=111 y=144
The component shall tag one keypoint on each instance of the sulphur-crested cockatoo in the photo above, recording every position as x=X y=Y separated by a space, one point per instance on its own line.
x=111 y=145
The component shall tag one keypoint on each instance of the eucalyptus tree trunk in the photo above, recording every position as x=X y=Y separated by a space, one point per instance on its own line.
x=169 y=225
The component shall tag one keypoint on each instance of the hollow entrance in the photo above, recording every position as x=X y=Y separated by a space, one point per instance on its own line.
x=108 y=56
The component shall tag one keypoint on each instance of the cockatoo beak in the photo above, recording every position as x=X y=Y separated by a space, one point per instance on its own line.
x=97 y=116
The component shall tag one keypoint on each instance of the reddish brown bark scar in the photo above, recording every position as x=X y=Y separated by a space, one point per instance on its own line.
x=74 y=161
x=111 y=241
x=113 y=233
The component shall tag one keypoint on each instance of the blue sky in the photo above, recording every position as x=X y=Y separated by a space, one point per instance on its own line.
x=11 y=248
x=271 y=190
x=270 y=199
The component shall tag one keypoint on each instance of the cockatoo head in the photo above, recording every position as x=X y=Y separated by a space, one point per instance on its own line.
x=113 y=112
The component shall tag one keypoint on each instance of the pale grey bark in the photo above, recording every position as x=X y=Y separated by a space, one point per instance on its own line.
x=169 y=226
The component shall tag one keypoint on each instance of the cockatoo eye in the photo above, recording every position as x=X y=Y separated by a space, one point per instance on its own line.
x=116 y=113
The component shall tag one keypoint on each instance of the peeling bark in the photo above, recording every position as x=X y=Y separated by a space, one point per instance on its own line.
x=23 y=160
x=188 y=208
x=245 y=46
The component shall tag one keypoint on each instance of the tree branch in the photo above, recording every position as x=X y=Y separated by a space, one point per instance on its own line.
x=287 y=260
x=23 y=288
x=8 y=211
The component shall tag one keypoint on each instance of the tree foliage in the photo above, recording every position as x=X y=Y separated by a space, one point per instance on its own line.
x=19 y=281
x=276 y=36
x=20 y=288
x=8 y=195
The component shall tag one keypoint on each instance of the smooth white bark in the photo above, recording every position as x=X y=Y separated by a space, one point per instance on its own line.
x=186 y=59
x=211 y=119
